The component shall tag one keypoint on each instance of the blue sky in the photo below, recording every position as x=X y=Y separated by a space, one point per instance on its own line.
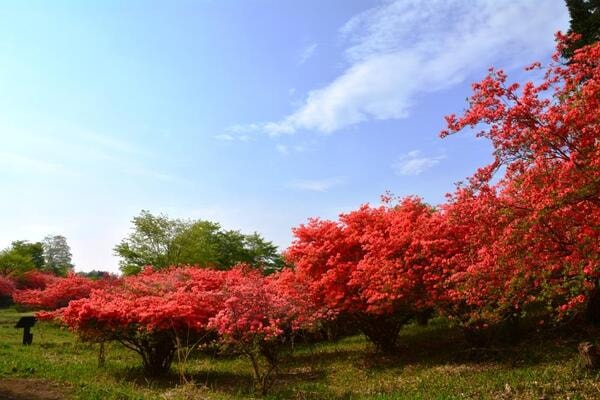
x=256 y=114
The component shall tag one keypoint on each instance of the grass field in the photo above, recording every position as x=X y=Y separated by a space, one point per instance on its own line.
x=433 y=362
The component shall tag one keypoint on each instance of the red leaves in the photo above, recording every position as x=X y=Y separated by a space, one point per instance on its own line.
x=34 y=280
x=58 y=292
x=241 y=305
x=536 y=229
x=374 y=260
x=172 y=299
x=7 y=287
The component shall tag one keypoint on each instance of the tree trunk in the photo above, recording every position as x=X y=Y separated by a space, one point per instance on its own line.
x=101 y=355
x=158 y=356
x=592 y=311
x=381 y=330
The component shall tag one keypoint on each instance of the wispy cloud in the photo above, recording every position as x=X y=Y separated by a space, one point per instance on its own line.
x=402 y=49
x=289 y=149
x=308 y=52
x=20 y=162
x=414 y=163
x=315 y=185
x=283 y=149
x=115 y=144
x=225 y=137
x=239 y=133
x=157 y=175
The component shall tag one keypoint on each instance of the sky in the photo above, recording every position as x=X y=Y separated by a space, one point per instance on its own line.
x=254 y=114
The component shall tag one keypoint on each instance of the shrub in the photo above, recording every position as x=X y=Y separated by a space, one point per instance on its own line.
x=7 y=287
x=149 y=312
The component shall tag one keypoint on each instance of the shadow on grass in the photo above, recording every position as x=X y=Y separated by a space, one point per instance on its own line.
x=445 y=345
x=304 y=373
x=137 y=376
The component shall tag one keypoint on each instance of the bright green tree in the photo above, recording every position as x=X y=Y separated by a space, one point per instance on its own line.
x=21 y=256
x=35 y=251
x=161 y=241
x=13 y=263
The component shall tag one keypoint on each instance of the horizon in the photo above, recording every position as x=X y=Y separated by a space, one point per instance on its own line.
x=108 y=109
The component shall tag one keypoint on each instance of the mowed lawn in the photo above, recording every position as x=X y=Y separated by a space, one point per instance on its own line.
x=433 y=362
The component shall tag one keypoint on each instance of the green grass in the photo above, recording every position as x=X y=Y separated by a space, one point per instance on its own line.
x=433 y=362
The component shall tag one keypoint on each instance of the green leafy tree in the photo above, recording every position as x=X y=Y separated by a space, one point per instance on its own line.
x=13 y=263
x=151 y=242
x=262 y=253
x=35 y=251
x=21 y=256
x=161 y=241
x=198 y=244
x=57 y=255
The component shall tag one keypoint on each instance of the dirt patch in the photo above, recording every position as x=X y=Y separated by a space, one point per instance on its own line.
x=32 y=389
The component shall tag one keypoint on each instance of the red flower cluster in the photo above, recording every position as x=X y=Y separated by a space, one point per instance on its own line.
x=58 y=292
x=34 y=280
x=375 y=264
x=152 y=311
x=7 y=287
x=534 y=235
x=259 y=307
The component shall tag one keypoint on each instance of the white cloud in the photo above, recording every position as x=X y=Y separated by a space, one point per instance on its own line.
x=315 y=185
x=401 y=49
x=413 y=163
x=307 y=52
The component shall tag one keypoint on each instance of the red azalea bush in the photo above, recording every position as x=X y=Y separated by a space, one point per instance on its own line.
x=149 y=311
x=34 y=280
x=251 y=319
x=58 y=292
x=534 y=235
x=259 y=313
x=7 y=287
x=380 y=265
x=153 y=312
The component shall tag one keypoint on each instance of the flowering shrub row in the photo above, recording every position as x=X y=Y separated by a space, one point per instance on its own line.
x=155 y=311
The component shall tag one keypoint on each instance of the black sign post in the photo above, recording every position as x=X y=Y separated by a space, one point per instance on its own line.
x=26 y=323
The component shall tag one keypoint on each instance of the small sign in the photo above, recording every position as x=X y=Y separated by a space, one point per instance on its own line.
x=26 y=323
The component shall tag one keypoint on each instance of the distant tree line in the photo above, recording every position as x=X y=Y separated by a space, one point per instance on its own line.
x=160 y=241
x=52 y=255
x=155 y=240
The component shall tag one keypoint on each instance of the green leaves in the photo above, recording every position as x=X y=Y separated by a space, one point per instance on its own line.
x=160 y=241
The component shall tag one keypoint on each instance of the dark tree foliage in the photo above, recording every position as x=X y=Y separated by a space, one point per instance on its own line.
x=585 y=21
